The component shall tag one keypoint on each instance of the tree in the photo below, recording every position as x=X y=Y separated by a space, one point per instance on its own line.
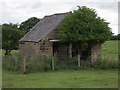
x=10 y=36
x=28 y=24
x=118 y=36
x=115 y=37
x=0 y=36
x=84 y=28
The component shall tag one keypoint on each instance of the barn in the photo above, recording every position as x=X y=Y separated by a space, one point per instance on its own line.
x=43 y=39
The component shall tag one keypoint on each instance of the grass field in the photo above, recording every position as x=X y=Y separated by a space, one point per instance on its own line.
x=67 y=79
x=62 y=79
x=110 y=48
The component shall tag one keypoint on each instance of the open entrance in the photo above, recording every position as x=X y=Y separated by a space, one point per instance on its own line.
x=60 y=50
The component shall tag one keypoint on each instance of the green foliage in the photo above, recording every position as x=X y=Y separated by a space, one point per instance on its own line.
x=10 y=36
x=118 y=36
x=84 y=25
x=28 y=24
x=11 y=53
x=115 y=37
x=0 y=36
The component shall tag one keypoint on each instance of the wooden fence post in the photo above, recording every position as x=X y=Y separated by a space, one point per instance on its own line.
x=70 y=49
x=53 y=63
x=118 y=61
x=24 y=65
x=112 y=58
x=78 y=61
x=9 y=63
x=108 y=59
x=15 y=64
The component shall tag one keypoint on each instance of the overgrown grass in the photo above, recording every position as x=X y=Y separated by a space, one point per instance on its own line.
x=12 y=62
x=44 y=63
x=37 y=64
x=102 y=64
x=68 y=64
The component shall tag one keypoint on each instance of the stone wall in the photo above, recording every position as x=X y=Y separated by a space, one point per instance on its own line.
x=28 y=49
x=95 y=53
x=44 y=47
x=31 y=49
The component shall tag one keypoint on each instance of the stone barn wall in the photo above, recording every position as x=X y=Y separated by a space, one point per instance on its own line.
x=44 y=47
x=28 y=49
x=31 y=49
x=95 y=53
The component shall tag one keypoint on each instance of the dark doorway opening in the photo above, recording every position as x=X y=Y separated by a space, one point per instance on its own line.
x=60 y=50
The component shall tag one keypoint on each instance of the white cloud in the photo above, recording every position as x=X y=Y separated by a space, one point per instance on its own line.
x=17 y=11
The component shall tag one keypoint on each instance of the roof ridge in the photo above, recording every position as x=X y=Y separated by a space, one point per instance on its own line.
x=58 y=14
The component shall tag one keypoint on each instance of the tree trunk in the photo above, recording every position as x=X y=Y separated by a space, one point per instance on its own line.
x=80 y=49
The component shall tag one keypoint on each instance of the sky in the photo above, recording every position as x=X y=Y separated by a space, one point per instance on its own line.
x=17 y=11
